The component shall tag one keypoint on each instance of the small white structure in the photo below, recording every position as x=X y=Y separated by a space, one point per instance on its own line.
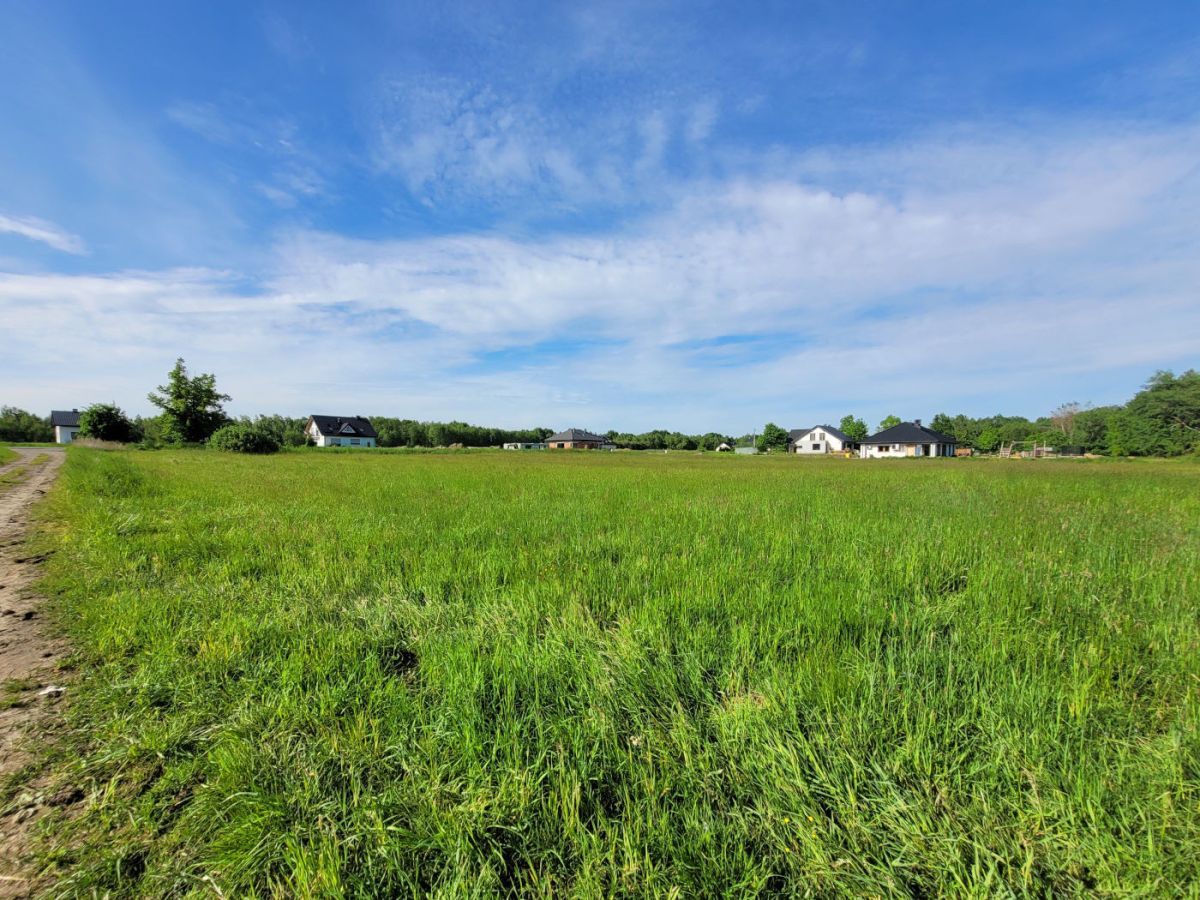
x=724 y=448
x=745 y=451
x=525 y=445
x=341 y=431
x=819 y=440
x=907 y=439
x=65 y=424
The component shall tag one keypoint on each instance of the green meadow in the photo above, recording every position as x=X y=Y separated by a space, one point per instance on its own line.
x=469 y=674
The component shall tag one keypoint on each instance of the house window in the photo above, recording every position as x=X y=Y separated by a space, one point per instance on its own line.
x=354 y=441
x=816 y=447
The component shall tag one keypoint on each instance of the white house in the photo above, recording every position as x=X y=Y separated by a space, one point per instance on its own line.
x=819 y=440
x=66 y=425
x=341 y=431
x=907 y=439
x=525 y=445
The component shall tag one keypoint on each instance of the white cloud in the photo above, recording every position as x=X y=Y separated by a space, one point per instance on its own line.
x=44 y=232
x=879 y=283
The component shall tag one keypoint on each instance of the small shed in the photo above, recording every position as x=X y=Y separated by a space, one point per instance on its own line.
x=66 y=425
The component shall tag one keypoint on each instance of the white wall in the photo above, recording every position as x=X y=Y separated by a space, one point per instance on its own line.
x=828 y=443
x=64 y=435
x=898 y=451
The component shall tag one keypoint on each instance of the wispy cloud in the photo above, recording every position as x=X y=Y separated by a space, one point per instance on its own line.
x=969 y=267
x=44 y=232
x=294 y=171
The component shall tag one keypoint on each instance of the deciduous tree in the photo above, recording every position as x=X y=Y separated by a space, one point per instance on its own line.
x=191 y=406
x=855 y=429
x=772 y=438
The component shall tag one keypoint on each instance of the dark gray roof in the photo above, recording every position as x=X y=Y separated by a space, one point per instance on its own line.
x=577 y=434
x=796 y=433
x=332 y=426
x=910 y=433
x=64 y=418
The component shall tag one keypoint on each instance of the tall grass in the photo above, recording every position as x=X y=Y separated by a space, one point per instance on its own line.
x=334 y=675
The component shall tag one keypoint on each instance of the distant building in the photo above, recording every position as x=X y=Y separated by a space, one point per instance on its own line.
x=578 y=439
x=341 y=431
x=907 y=439
x=525 y=445
x=819 y=440
x=66 y=425
x=724 y=448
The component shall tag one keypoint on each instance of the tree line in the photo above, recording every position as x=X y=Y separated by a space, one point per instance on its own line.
x=1162 y=419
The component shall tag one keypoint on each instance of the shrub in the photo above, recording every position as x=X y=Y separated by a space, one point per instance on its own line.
x=106 y=422
x=243 y=438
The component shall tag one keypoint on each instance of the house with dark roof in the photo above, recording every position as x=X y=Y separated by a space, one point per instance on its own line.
x=820 y=439
x=65 y=423
x=907 y=439
x=578 y=439
x=341 y=431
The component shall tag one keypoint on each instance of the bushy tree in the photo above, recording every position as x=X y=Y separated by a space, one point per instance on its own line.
x=107 y=422
x=243 y=437
x=20 y=426
x=287 y=431
x=889 y=422
x=772 y=438
x=988 y=440
x=1163 y=419
x=712 y=440
x=942 y=424
x=853 y=428
x=1091 y=429
x=191 y=406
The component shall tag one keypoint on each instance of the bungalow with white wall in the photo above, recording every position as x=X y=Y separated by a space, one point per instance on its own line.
x=907 y=439
x=819 y=440
x=66 y=425
x=341 y=431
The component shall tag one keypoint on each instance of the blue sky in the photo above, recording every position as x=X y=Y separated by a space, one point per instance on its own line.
x=694 y=216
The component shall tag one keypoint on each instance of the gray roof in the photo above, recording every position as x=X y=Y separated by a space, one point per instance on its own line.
x=64 y=418
x=333 y=426
x=910 y=433
x=796 y=433
x=577 y=434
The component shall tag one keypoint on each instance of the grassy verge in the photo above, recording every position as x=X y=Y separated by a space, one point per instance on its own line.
x=346 y=674
x=7 y=454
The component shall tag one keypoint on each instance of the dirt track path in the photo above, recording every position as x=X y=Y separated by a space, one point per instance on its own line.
x=28 y=693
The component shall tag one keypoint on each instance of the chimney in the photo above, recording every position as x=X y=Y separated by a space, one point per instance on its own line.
x=917 y=422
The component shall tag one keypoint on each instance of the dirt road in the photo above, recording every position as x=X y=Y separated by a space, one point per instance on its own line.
x=29 y=691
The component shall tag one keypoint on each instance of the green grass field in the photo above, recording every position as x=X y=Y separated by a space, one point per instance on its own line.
x=571 y=674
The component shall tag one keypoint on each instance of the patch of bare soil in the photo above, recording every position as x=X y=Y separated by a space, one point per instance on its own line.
x=29 y=689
